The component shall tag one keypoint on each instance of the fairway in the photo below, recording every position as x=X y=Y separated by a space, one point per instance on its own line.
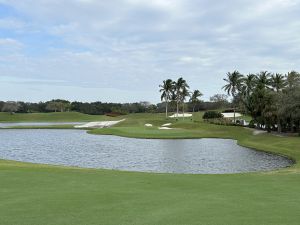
x=40 y=194
x=50 y=117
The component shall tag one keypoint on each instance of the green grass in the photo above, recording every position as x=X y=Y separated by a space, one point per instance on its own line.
x=33 y=194
x=51 y=117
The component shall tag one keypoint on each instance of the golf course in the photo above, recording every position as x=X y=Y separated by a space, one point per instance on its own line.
x=44 y=194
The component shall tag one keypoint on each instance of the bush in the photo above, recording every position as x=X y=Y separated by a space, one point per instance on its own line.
x=212 y=115
x=228 y=111
x=114 y=114
x=252 y=124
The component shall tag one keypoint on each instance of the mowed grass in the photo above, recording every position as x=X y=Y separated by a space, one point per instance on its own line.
x=51 y=117
x=32 y=194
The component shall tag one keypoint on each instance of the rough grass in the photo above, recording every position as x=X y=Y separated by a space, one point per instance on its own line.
x=32 y=194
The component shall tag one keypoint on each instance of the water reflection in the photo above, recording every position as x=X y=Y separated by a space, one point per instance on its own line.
x=77 y=148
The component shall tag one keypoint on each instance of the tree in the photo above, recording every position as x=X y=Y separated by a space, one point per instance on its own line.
x=293 y=79
x=180 y=86
x=184 y=93
x=220 y=100
x=10 y=107
x=166 y=89
x=180 y=89
x=263 y=79
x=52 y=106
x=58 y=105
x=273 y=100
x=196 y=94
x=234 y=81
x=248 y=84
x=278 y=83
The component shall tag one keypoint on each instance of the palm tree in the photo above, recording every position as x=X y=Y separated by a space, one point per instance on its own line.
x=293 y=79
x=248 y=84
x=196 y=94
x=277 y=82
x=234 y=81
x=166 y=89
x=184 y=93
x=263 y=79
x=179 y=87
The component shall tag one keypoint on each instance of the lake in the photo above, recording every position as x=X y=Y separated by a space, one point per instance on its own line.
x=188 y=156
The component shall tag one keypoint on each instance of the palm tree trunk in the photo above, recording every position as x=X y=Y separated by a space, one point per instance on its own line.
x=234 y=114
x=166 y=109
x=183 y=110
x=177 y=108
x=279 y=129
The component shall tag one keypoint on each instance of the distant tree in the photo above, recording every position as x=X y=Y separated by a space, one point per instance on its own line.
x=180 y=92
x=166 y=89
x=196 y=94
x=234 y=82
x=53 y=106
x=263 y=79
x=145 y=104
x=293 y=79
x=220 y=100
x=184 y=94
x=277 y=82
x=10 y=107
x=1 y=105
x=58 y=105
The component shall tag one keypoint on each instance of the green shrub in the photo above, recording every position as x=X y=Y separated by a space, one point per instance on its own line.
x=212 y=115
x=252 y=124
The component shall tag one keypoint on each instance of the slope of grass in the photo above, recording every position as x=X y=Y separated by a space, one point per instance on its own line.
x=39 y=194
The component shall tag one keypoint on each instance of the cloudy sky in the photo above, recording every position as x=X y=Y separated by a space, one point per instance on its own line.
x=121 y=50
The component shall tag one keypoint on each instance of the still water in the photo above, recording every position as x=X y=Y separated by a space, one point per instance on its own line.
x=191 y=156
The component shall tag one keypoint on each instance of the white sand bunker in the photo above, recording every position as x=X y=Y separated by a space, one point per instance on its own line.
x=181 y=115
x=165 y=128
x=148 y=125
x=231 y=115
x=101 y=124
x=257 y=132
x=166 y=124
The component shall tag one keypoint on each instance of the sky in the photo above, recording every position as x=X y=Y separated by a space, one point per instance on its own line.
x=121 y=50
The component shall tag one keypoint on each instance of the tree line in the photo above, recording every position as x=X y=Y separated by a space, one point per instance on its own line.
x=100 y=108
x=60 y=105
x=271 y=99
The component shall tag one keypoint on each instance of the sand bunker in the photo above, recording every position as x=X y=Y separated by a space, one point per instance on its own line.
x=166 y=124
x=180 y=115
x=165 y=128
x=148 y=125
x=101 y=124
x=231 y=115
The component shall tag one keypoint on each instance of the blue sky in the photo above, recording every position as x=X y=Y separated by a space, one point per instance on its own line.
x=121 y=50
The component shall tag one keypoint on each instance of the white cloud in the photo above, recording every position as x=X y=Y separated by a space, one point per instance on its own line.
x=135 y=44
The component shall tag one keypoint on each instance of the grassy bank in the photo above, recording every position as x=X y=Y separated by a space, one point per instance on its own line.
x=38 y=194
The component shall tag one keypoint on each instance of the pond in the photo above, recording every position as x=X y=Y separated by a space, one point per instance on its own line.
x=189 y=156
x=34 y=124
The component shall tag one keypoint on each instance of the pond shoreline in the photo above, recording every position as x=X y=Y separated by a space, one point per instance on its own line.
x=71 y=140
